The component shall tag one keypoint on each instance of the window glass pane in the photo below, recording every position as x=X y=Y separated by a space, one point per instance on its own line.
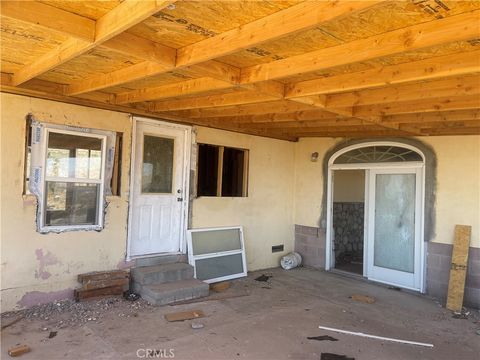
x=232 y=175
x=394 y=242
x=71 y=203
x=378 y=154
x=207 y=170
x=157 y=169
x=220 y=266
x=74 y=156
x=208 y=242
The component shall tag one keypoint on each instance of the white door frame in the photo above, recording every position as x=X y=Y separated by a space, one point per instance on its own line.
x=329 y=259
x=185 y=181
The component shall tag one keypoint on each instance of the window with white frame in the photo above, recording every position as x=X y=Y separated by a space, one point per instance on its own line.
x=68 y=177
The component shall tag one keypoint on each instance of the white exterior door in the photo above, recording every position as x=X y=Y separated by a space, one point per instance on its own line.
x=394 y=225
x=158 y=193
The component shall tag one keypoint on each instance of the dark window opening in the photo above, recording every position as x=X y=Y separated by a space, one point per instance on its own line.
x=222 y=171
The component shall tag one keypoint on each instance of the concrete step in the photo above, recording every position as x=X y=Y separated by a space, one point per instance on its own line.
x=161 y=260
x=162 y=294
x=159 y=274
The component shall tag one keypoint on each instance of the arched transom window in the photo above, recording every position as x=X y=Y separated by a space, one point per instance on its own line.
x=378 y=154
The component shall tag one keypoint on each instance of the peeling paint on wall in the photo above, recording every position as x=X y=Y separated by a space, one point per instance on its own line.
x=44 y=260
x=33 y=298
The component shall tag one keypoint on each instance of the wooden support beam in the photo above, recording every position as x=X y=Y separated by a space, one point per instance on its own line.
x=433 y=117
x=428 y=69
x=272 y=107
x=304 y=124
x=50 y=17
x=437 y=32
x=343 y=134
x=471 y=102
x=303 y=16
x=118 y=77
x=188 y=87
x=123 y=16
x=306 y=115
x=449 y=87
x=212 y=101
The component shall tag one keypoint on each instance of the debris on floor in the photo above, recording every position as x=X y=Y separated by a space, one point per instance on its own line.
x=363 y=298
x=322 y=338
x=291 y=261
x=52 y=334
x=463 y=314
x=375 y=336
x=18 y=350
x=102 y=283
x=68 y=313
x=396 y=288
x=263 y=278
x=220 y=287
x=330 y=356
x=197 y=326
x=131 y=296
x=184 y=315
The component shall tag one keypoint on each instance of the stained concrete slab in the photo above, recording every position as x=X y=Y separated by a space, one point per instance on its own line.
x=272 y=322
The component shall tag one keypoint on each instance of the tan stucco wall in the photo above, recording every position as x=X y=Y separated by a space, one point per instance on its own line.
x=457 y=192
x=36 y=267
x=349 y=186
x=267 y=213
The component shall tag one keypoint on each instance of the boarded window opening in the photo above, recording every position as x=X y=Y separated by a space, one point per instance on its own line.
x=222 y=171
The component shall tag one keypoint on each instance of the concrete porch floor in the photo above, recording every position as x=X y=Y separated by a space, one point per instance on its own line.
x=272 y=322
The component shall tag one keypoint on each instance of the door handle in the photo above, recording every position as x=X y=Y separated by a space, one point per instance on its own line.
x=179 y=199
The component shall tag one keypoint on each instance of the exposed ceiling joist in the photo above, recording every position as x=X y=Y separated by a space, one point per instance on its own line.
x=450 y=87
x=212 y=101
x=470 y=102
x=122 y=17
x=428 y=69
x=50 y=17
x=296 y=18
x=450 y=29
x=183 y=88
x=445 y=116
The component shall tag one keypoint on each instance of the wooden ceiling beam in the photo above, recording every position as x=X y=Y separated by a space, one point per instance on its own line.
x=279 y=106
x=119 y=19
x=182 y=88
x=301 y=17
x=306 y=115
x=439 y=117
x=50 y=17
x=436 y=32
x=431 y=68
x=471 y=102
x=453 y=86
x=304 y=124
x=211 y=101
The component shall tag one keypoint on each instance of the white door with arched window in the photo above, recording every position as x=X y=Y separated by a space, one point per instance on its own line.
x=393 y=250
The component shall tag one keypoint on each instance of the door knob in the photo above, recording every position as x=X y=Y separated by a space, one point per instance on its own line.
x=179 y=199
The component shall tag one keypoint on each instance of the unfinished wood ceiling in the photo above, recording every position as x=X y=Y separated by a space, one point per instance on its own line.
x=282 y=69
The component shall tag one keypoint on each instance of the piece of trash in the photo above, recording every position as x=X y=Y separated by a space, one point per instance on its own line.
x=185 y=315
x=363 y=298
x=131 y=296
x=375 y=336
x=197 y=325
x=219 y=287
x=396 y=288
x=18 y=350
x=322 y=338
x=263 y=278
x=461 y=315
x=52 y=334
x=291 y=261
x=478 y=332
x=330 y=356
